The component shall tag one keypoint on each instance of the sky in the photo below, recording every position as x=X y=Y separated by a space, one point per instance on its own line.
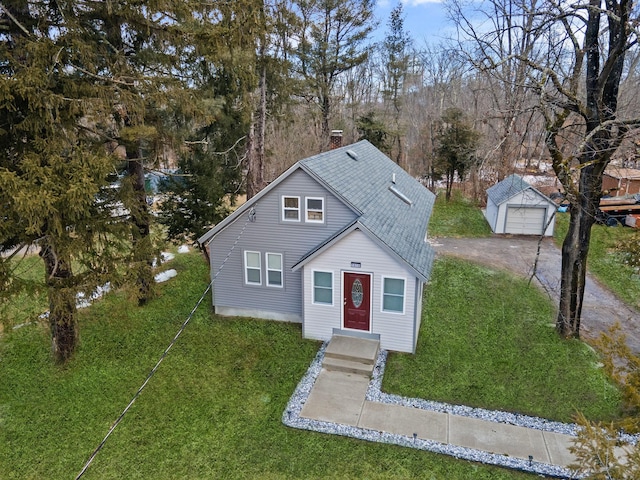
x=425 y=20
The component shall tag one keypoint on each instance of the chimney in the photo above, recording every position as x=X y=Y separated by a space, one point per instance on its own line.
x=335 y=139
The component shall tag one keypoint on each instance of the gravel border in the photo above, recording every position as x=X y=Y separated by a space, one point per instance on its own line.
x=291 y=417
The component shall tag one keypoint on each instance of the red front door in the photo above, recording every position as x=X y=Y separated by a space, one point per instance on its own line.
x=356 y=298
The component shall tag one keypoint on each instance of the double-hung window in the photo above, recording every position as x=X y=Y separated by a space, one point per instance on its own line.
x=393 y=295
x=323 y=288
x=314 y=209
x=291 y=209
x=252 y=268
x=274 y=269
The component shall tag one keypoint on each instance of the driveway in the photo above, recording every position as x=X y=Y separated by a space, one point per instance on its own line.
x=601 y=309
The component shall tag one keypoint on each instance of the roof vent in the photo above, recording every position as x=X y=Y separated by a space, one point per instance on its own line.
x=352 y=154
x=393 y=178
x=400 y=195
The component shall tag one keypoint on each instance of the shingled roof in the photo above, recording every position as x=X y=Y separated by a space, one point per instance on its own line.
x=508 y=188
x=394 y=206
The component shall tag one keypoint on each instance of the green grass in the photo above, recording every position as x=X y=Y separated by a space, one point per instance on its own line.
x=605 y=261
x=459 y=217
x=212 y=410
x=25 y=306
x=487 y=340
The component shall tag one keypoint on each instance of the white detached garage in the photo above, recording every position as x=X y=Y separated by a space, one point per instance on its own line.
x=515 y=207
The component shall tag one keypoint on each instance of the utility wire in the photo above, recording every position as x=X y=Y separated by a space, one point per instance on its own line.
x=166 y=351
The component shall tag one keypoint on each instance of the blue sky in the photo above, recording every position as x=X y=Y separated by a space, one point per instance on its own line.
x=425 y=20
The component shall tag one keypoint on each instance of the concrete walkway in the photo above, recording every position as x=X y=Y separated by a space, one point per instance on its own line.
x=340 y=397
x=335 y=400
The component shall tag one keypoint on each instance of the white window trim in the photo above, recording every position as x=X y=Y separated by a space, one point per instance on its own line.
x=281 y=270
x=246 y=268
x=404 y=296
x=306 y=210
x=283 y=209
x=313 y=288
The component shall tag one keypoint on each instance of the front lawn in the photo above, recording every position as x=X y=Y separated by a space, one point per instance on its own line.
x=487 y=339
x=212 y=410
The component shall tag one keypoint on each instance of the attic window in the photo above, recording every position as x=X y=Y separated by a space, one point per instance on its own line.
x=314 y=207
x=291 y=209
x=352 y=154
x=400 y=195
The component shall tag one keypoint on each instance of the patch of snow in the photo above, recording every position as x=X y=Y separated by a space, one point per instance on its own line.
x=82 y=301
x=166 y=275
x=164 y=257
x=183 y=249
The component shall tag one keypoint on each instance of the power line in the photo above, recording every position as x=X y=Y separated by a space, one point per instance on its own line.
x=164 y=354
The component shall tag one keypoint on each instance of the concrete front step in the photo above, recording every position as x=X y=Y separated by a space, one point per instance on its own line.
x=347 y=366
x=352 y=348
x=351 y=355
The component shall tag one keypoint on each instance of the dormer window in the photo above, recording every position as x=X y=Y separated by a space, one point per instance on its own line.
x=314 y=209
x=291 y=209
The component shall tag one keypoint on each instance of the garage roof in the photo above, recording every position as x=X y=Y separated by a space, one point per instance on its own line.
x=510 y=187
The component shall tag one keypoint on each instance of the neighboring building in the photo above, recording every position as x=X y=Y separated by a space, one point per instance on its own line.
x=337 y=243
x=515 y=207
x=618 y=182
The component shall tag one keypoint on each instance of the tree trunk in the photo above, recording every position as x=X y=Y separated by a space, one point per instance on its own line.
x=255 y=143
x=325 y=108
x=62 y=304
x=575 y=249
x=141 y=222
x=449 y=187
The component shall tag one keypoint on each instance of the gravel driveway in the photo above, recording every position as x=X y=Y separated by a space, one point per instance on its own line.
x=601 y=309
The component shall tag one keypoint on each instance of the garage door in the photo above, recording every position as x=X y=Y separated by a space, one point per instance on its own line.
x=525 y=220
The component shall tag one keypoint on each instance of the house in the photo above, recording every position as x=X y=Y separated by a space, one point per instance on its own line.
x=515 y=207
x=336 y=243
x=617 y=181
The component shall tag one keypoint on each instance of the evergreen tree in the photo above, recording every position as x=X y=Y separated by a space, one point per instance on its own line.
x=372 y=129
x=201 y=194
x=54 y=170
x=396 y=46
x=141 y=44
x=223 y=75
x=457 y=142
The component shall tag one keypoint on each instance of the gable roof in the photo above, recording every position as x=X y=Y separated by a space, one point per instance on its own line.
x=509 y=188
x=393 y=207
x=396 y=213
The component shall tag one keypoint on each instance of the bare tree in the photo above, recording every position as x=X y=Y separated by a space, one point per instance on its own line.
x=575 y=63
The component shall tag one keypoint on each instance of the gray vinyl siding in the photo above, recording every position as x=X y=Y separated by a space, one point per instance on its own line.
x=491 y=214
x=396 y=330
x=268 y=234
